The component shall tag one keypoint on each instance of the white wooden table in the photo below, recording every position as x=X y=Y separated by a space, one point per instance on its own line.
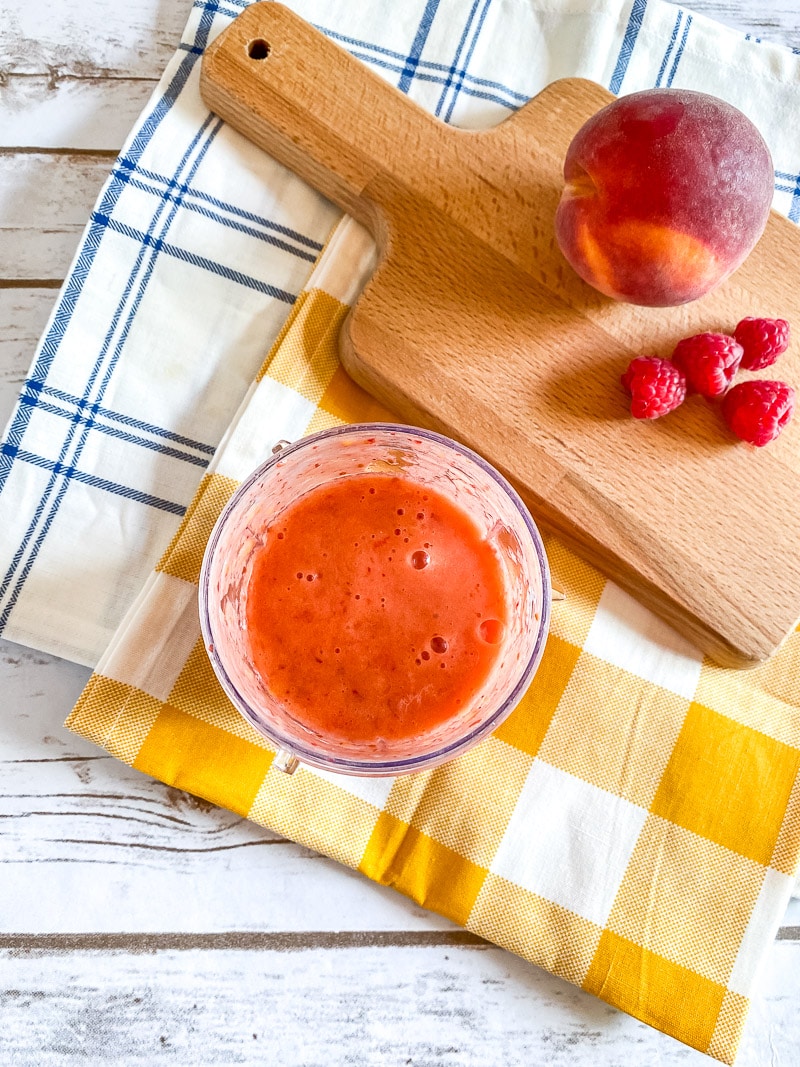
x=138 y=924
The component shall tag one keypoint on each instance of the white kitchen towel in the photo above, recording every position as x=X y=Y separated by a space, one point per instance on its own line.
x=199 y=244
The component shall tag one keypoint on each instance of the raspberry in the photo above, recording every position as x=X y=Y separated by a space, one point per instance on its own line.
x=709 y=361
x=763 y=340
x=656 y=386
x=757 y=411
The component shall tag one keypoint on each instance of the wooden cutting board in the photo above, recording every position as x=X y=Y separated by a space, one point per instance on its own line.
x=474 y=324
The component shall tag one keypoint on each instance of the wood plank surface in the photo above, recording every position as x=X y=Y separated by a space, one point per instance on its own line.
x=770 y=20
x=80 y=833
x=436 y=1005
x=24 y=312
x=94 y=40
x=70 y=113
x=77 y=76
x=45 y=200
x=138 y=925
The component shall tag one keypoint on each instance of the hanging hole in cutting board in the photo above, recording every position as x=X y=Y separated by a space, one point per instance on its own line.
x=258 y=49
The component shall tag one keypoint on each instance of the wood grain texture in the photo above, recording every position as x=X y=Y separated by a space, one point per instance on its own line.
x=473 y=324
x=70 y=113
x=24 y=312
x=437 y=1006
x=45 y=201
x=773 y=20
x=87 y=843
x=77 y=76
x=94 y=40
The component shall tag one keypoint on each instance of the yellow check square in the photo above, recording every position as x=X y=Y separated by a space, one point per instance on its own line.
x=621 y=743
x=543 y=932
x=529 y=721
x=787 y=847
x=348 y=402
x=305 y=354
x=433 y=875
x=686 y=898
x=114 y=715
x=304 y=806
x=728 y=1031
x=663 y=994
x=457 y=810
x=184 y=554
x=198 y=693
x=728 y=782
x=571 y=619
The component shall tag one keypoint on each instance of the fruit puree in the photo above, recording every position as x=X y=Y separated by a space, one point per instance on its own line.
x=375 y=608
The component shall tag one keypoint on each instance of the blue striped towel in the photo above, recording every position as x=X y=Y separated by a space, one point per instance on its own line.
x=199 y=244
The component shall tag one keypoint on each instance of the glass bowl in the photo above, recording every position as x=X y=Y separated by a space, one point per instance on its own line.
x=433 y=461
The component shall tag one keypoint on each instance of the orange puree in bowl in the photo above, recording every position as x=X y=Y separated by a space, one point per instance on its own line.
x=375 y=608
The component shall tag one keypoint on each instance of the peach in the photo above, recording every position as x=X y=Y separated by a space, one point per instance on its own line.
x=667 y=192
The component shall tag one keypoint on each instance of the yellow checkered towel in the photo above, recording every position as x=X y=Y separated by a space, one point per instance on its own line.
x=633 y=827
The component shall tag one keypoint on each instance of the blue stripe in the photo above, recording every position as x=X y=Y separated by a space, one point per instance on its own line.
x=423 y=64
x=794 y=209
x=679 y=53
x=147 y=241
x=794 y=189
x=412 y=60
x=198 y=194
x=112 y=431
x=80 y=271
x=145 y=132
x=456 y=59
x=228 y=8
x=62 y=314
x=459 y=81
x=160 y=245
x=628 y=44
x=236 y=6
x=117 y=416
x=510 y=98
x=56 y=503
x=232 y=224
x=136 y=424
x=477 y=94
x=668 y=52
x=210 y=8
x=70 y=474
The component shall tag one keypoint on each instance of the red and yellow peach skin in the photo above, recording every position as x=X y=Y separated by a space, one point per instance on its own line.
x=667 y=192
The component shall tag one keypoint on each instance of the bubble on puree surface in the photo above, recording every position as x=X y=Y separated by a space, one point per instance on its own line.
x=375 y=608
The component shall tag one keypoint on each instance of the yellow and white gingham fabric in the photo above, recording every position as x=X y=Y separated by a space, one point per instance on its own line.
x=633 y=827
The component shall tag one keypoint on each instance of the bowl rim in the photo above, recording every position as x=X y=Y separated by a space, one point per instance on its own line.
x=349 y=765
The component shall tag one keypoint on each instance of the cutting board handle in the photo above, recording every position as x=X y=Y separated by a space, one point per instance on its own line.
x=314 y=107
